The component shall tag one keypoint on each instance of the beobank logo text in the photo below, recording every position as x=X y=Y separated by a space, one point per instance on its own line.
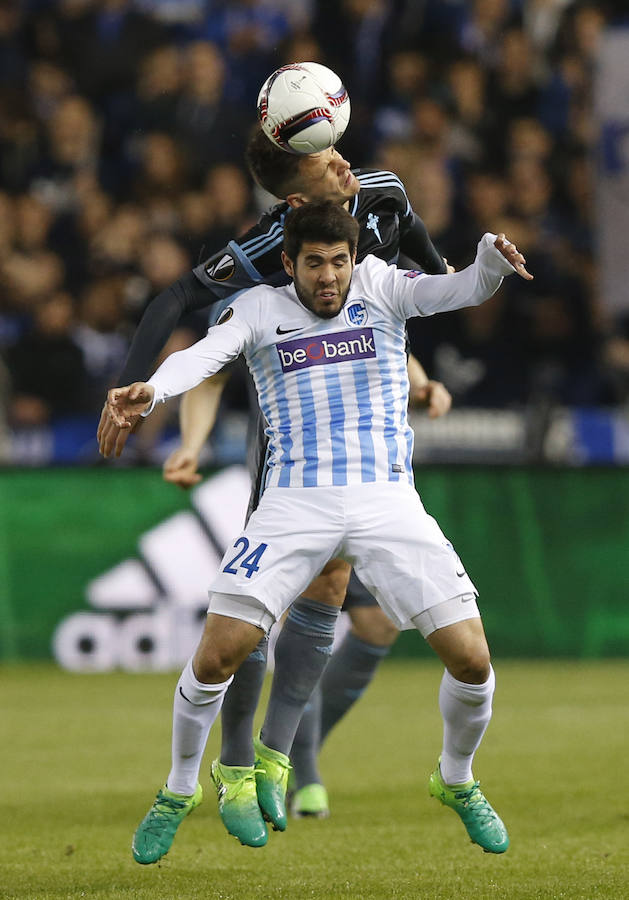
x=333 y=348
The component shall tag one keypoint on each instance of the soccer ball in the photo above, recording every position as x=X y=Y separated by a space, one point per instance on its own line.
x=303 y=108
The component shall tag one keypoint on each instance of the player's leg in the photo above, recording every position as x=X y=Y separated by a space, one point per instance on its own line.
x=420 y=581
x=241 y=699
x=289 y=538
x=198 y=698
x=465 y=701
x=356 y=660
x=346 y=677
x=239 y=708
x=302 y=652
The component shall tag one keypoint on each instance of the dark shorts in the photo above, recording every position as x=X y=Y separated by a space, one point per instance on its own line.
x=357 y=594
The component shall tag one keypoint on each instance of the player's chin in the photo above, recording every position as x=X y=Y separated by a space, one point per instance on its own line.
x=329 y=310
x=351 y=187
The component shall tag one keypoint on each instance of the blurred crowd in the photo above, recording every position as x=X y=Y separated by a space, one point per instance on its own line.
x=122 y=128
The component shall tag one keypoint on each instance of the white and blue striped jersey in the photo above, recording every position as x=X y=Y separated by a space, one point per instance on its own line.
x=333 y=392
x=388 y=227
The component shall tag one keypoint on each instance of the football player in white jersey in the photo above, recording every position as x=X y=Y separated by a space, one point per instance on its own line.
x=388 y=226
x=327 y=356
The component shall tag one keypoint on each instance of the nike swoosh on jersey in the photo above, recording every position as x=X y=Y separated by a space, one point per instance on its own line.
x=280 y=330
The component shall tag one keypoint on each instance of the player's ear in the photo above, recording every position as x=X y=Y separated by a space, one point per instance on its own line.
x=296 y=200
x=288 y=265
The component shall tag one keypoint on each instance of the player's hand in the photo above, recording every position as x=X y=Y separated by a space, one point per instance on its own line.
x=435 y=397
x=512 y=255
x=181 y=468
x=110 y=437
x=124 y=405
x=450 y=270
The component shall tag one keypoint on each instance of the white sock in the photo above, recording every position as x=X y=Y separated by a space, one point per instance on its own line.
x=195 y=710
x=466 y=712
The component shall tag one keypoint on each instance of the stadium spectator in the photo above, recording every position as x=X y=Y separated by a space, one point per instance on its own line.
x=46 y=366
x=156 y=91
x=97 y=331
x=106 y=44
x=248 y=32
x=210 y=125
x=71 y=149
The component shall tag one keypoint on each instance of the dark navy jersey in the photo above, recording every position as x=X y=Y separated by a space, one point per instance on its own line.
x=387 y=222
x=388 y=227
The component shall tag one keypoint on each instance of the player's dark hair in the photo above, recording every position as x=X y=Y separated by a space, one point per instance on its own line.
x=321 y=220
x=276 y=170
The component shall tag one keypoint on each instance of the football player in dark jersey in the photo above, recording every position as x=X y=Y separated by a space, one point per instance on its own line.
x=388 y=226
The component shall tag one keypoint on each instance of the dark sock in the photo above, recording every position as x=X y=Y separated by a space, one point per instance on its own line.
x=239 y=708
x=352 y=666
x=301 y=654
x=305 y=749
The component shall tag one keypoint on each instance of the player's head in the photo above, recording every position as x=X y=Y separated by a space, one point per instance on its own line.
x=300 y=179
x=320 y=241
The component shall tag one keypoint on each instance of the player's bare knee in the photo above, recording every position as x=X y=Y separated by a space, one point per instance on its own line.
x=214 y=664
x=473 y=667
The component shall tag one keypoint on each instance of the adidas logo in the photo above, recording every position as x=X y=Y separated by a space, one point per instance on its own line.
x=147 y=612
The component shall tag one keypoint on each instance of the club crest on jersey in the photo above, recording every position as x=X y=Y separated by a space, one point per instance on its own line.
x=413 y=273
x=372 y=225
x=302 y=353
x=356 y=312
x=221 y=269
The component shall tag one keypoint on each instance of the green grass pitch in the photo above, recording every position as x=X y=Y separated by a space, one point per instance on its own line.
x=84 y=755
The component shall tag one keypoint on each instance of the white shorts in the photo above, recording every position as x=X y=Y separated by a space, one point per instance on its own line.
x=398 y=551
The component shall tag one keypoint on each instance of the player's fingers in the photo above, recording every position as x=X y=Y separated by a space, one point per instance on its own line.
x=117 y=415
x=421 y=394
x=179 y=460
x=122 y=435
x=103 y=427
x=184 y=480
x=518 y=262
x=441 y=406
x=102 y=422
x=522 y=271
x=440 y=401
x=108 y=436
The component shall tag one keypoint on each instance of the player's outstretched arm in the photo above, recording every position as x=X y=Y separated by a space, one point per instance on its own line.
x=197 y=415
x=496 y=257
x=158 y=321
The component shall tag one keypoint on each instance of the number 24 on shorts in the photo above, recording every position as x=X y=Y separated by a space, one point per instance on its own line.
x=250 y=563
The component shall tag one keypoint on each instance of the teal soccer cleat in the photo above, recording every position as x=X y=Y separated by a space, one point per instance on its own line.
x=310 y=801
x=483 y=824
x=156 y=832
x=238 y=803
x=272 y=768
